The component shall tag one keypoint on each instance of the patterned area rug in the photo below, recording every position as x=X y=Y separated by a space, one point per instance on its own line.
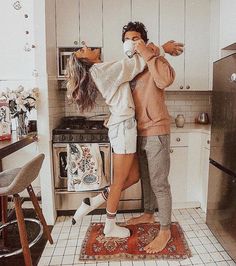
x=96 y=247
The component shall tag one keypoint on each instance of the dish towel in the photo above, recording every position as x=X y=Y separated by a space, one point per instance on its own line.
x=85 y=167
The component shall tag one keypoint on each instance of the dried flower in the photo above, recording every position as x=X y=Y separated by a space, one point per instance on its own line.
x=20 y=100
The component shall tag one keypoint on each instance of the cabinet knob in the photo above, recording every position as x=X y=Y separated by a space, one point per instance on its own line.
x=208 y=142
x=76 y=42
x=181 y=87
x=171 y=150
x=187 y=87
x=178 y=139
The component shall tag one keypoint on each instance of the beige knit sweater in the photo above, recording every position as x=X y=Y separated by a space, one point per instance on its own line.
x=112 y=80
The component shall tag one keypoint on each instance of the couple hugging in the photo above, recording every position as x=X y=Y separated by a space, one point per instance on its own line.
x=139 y=126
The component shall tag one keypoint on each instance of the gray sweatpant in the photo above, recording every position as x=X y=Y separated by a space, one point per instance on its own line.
x=154 y=162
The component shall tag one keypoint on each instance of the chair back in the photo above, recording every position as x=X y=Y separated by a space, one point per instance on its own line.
x=26 y=175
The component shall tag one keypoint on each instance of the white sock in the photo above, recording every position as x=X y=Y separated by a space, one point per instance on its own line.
x=111 y=229
x=90 y=204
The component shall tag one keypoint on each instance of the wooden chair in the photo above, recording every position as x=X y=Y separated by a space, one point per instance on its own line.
x=14 y=181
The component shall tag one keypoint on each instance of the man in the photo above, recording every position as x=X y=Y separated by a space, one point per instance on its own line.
x=153 y=131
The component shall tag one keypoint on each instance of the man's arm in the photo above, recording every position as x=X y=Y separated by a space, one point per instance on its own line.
x=159 y=68
x=173 y=48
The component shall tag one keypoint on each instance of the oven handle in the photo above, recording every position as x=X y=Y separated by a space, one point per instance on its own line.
x=63 y=145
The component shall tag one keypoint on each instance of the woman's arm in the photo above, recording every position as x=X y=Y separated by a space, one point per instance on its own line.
x=109 y=76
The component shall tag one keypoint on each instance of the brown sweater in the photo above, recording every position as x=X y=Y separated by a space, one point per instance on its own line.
x=149 y=95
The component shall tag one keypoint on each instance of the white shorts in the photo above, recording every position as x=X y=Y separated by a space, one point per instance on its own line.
x=123 y=136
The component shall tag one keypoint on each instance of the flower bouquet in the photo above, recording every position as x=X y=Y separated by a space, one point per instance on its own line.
x=21 y=102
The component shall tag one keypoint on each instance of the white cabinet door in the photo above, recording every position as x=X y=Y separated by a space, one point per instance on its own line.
x=172 y=28
x=178 y=174
x=116 y=14
x=227 y=22
x=91 y=22
x=67 y=21
x=197 y=42
x=204 y=170
x=147 y=12
x=188 y=21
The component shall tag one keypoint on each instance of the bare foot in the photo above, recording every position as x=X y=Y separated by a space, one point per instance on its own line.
x=144 y=218
x=159 y=243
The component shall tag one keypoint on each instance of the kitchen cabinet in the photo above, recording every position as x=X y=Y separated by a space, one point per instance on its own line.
x=78 y=21
x=205 y=154
x=227 y=22
x=178 y=168
x=147 y=12
x=67 y=21
x=188 y=21
x=91 y=22
x=116 y=14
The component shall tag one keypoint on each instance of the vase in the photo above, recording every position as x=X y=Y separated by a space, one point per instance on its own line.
x=180 y=120
x=22 y=124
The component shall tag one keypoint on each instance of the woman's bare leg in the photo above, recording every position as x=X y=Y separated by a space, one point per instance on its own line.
x=89 y=204
x=122 y=165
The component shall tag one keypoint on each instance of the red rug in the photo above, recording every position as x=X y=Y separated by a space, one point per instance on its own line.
x=96 y=247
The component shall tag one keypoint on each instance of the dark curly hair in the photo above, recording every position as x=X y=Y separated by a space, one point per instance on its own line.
x=135 y=26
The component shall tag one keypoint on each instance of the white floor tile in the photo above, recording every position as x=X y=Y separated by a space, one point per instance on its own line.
x=56 y=260
x=196 y=259
x=206 y=258
x=173 y=263
x=44 y=261
x=59 y=251
x=126 y=263
x=68 y=239
x=68 y=260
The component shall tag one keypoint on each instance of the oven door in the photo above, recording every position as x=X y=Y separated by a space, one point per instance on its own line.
x=60 y=163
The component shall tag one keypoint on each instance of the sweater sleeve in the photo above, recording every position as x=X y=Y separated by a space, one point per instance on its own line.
x=109 y=76
x=160 y=69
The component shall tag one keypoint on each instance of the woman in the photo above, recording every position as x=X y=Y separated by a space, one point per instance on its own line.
x=85 y=77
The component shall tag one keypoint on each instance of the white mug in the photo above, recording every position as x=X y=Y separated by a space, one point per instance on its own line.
x=128 y=47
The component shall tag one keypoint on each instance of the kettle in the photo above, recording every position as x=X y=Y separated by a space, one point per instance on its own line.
x=202 y=118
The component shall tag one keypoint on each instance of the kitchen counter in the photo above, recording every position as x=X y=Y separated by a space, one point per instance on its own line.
x=191 y=127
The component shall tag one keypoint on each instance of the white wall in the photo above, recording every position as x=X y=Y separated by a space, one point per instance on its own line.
x=16 y=68
x=17 y=65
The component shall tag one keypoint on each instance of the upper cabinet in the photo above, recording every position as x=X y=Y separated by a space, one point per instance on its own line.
x=188 y=21
x=67 y=20
x=116 y=14
x=227 y=23
x=99 y=23
x=91 y=22
x=79 y=20
x=147 y=12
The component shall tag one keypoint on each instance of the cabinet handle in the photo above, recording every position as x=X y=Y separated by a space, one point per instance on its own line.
x=171 y=150
x=187 y=87
x=178 y=139
x=181 y=87
x=76 y=42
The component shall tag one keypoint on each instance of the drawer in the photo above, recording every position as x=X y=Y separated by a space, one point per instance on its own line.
x=179 y=139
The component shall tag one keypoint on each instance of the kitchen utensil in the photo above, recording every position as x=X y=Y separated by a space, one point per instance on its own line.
x=203 y=118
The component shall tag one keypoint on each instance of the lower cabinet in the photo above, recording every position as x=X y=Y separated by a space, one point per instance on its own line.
x=205 y=170
x=178 y=175
x=188 y=177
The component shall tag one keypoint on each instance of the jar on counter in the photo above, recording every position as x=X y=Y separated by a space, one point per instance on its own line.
x=179 y=120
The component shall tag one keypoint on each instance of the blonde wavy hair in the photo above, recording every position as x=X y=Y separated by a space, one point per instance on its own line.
x=81 y=88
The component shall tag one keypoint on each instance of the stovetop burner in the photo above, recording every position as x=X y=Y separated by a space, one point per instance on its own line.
x=78 y=129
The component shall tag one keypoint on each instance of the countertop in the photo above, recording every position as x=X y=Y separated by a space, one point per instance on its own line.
x=191 y=127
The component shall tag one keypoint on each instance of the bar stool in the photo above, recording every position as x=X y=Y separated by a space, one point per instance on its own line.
x=13 y=182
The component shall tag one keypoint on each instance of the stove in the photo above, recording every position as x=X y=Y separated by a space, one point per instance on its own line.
x=80 y=130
